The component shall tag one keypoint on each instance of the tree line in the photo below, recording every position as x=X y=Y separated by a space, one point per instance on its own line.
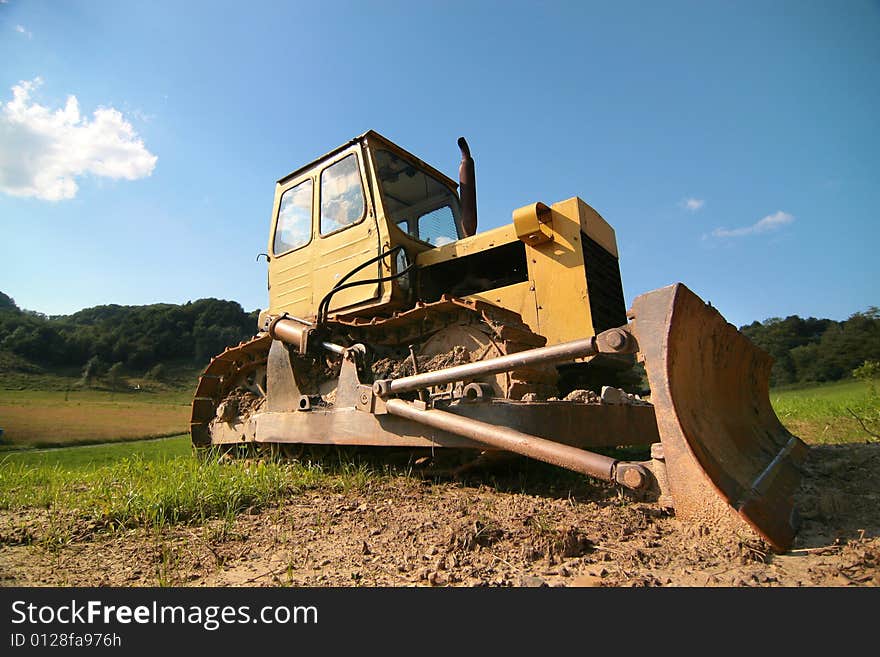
x=816 y=350
x=138 y=339
x=134 y=338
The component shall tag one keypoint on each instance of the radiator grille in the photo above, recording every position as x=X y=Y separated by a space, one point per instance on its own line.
x=603 y=286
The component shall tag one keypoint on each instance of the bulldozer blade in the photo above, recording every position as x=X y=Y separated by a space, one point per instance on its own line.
x=727 y=455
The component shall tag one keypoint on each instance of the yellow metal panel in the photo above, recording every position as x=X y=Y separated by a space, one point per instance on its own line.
x=591 y=223
x=339 y=256
x=519 y=297
x=467 y=246
x=556 y=269
x=290 y=284
x=533 y=223
x=554 y=302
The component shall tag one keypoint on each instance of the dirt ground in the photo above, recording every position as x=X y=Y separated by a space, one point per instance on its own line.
x=514 y=527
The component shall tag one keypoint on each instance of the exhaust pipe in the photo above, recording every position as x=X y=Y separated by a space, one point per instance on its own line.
x=467 y=184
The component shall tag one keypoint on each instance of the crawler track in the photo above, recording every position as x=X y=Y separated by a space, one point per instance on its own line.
x=492 y=330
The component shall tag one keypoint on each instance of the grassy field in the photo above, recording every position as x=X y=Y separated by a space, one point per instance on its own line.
x=153 y=484
x=828 y=413
x=89 y=457
x=35 y=418
x=157 y=482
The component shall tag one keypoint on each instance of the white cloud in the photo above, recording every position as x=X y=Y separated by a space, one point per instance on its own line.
x=21 y=29
x=43 y=151
x=692 y=204
x=770 y=222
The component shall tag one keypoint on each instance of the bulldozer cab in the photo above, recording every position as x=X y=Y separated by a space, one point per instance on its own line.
x=344 y=210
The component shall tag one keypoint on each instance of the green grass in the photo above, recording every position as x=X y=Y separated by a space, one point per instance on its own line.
x=159 y=482
x=89 y=457
x=135 y=492
x=825 y=413
x=154 y=484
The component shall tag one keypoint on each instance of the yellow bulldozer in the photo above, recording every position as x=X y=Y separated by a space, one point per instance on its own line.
x=392 y=322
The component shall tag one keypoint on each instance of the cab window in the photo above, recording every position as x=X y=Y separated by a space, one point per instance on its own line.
x=342 y=197
x=417 y=202
x=294 y=226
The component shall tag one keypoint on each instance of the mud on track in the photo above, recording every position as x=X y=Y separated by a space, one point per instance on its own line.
x=508 y=526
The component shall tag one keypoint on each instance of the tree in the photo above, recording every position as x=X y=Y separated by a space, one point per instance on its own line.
x=114 y=375
x=91 y=370
x=868 y=371
x=156 y=373
x=7 y=303
x=781 y=338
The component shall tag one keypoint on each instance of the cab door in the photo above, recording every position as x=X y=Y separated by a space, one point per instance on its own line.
x=290 y=246
x=346 y=233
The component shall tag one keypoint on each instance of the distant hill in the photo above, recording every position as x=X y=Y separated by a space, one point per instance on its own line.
x=815 y=350
x=137 y=337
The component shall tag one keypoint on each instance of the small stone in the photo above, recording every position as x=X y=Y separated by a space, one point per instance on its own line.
x=583 y=396
x=612 y=395
x=532 y=581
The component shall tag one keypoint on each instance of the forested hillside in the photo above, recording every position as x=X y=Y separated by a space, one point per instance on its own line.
x=138 y=337
x=808 y=350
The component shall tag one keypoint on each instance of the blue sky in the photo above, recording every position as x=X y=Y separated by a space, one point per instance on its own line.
x=733 y=146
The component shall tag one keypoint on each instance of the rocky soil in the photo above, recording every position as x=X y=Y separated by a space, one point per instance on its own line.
x=517 y=524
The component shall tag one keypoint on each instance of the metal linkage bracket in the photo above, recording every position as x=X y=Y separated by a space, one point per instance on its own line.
x=369 y=402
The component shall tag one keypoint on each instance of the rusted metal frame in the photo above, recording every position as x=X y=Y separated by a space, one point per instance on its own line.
x=284 y=377
x=763 y=481
x=589 y=427
x=586 y=426
x=407 y=326
x=423 y=394
x=614 y=340
x=349 y=426
x=729 y=458
x=556 y=353
x=295 y=332
x=589 y=463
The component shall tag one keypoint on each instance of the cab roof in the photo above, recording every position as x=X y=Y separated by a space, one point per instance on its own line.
x=369 y=138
